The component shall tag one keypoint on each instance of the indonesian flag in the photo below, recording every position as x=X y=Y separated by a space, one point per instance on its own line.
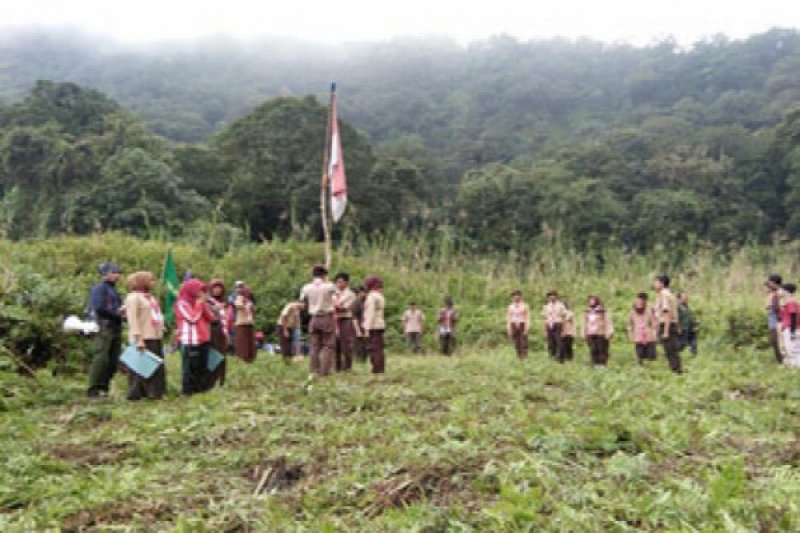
x=336 y=167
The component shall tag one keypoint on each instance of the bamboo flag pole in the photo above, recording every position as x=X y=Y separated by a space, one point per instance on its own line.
x=323 y=199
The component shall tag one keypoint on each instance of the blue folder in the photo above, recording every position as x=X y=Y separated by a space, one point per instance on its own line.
x=214 y=359
x=143 y=363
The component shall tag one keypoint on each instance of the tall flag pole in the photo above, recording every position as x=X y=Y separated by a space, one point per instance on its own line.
x=333 y=175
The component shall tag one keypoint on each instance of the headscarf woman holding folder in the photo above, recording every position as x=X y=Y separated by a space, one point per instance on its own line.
x=146 y=332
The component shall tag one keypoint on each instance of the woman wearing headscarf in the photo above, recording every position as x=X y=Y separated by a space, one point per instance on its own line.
x=244 y=339
x=219 y=333
x=146 y=332
x=193 y=316
x=374 y=324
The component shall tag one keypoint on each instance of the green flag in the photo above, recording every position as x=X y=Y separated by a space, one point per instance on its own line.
x=171 y=283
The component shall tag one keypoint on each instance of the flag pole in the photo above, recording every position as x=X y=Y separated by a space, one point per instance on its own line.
x=323 y=199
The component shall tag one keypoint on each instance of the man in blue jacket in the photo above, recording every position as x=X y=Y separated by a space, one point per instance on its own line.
x=105 y=307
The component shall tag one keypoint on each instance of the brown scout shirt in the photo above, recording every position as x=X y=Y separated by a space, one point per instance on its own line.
x=319 y=295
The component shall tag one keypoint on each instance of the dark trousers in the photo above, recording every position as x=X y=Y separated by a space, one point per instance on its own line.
x=219 y=341
x=106 y=348
x=285 y=342
x=344 y=344
x=645 y=351
x=775 y=344
x=153 y=387
x=554 y=339
x=447 y=342
x=413 y=339
x=360 y=349
x=375 y=346
x=520 y=338
x=566 y=352
x=689 y=340
x=672 y=344
x=598 y=349
x=194 y=364
x=322 y=339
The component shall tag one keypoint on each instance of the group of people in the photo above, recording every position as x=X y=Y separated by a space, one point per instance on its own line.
x=205 y=320
x=669 y=320
x=350 y=323
x=782 y=320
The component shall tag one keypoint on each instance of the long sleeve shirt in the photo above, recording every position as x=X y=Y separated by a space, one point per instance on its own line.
x=145 y=320
x=553 y=313
x=597 y=321
x=518 y=315
x=373 y=311
x=641 y=327
x=319 y=295
x=105 y=304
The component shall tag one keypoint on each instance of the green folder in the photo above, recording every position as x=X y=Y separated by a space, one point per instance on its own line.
x=214 y=359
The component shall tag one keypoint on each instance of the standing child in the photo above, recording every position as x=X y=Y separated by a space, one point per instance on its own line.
x=790 y=319
x=448 y=318
x=553 y=313
x=413 y=322
x=598 y=329
x=359 y=343
x=343 y=301
x=668 y=327
x=773 y=306
x=567 y=335
x=244 y=340
x=688 y=324
x=642 y=329
x=322 y=329
x=374 y=324
x=288 y=322
x=518 y=323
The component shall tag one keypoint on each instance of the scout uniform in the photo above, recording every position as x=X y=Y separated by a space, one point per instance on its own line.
x=448 y=318
x=146 y=330
x=666 y=307
x=322 y=328
x=598 y=329
x=288 y=322
x=345 y=333
x=642 y=333
x=244 y=339
x=553 y=313
x=375 y=326
x=412 y=328
x=518 y=322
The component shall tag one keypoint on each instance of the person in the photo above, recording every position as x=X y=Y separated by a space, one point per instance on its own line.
x=553 y=313
x=288 y=322
x=374 y=323
x=146 y=332
x=219 y=331
x=668 y=328
x=642 y=329
x=448 y=319
x=518 y=323
x=687 y=323
x=105 y=308
x=567 y=335
x=413 y=323
x=244 y=339
x=318 y=296
x=773 y=306
x=789 y=319
x=598 y=328
x=343 y=300
x=359 y=344
x=193 y=317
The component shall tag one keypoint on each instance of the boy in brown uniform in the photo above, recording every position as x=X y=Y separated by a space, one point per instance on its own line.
x=667 y=315
x=374 y=323
x=322 y=329
x=518 y=323
x=565 y=353
x=553 y=313
x=357 y=309
x=598 y=328
x=642 y=327
x=345 y=333
x=288 y=321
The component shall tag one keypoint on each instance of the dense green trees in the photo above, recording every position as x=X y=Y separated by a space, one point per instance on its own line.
x=502 y=140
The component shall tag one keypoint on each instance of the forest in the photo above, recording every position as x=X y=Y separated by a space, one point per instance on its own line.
x=501 y=143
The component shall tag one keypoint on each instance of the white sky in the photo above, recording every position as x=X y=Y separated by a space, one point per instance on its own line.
x=636 y=21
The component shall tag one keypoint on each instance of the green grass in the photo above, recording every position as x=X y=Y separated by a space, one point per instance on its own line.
x=476 y=442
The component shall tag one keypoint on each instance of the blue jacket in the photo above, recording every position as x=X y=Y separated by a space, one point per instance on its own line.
x=104 y=304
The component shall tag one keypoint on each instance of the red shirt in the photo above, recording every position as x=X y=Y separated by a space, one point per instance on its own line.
x=194 y=322
x=789 y=308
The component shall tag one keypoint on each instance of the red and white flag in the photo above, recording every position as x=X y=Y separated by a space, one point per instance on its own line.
x=336 y=173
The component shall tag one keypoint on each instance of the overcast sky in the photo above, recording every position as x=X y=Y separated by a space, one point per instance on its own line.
x=635 y=21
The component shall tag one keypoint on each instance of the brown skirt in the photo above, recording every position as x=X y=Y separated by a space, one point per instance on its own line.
x=244 y=343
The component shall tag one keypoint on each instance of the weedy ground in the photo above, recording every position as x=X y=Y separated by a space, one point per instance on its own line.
x=476 y=442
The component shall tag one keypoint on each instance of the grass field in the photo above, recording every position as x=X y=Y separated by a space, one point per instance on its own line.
x=477 y=442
